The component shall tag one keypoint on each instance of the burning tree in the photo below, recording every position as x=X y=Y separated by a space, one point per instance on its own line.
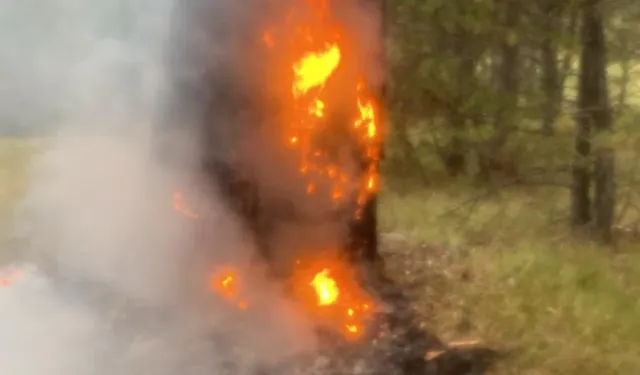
x=289 y=109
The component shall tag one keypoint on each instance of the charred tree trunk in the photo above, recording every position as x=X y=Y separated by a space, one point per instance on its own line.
x=363 y=243
x=595 y=108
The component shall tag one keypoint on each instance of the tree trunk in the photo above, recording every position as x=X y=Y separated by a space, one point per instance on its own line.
x=464 y=51
x=489 y=157
x=509 y=80
x=567 y=59
x=624 y=84
x=594 y=107
x=550 y=70
x=625 y=66
x=581 y=200
x=604 y=202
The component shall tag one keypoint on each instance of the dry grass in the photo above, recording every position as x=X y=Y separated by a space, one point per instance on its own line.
x=15 y=154
x=497 y=270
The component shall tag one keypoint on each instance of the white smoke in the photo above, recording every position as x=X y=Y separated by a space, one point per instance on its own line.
x=114 y=281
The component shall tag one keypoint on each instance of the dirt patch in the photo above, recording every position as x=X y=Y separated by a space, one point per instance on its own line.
x=430 y=275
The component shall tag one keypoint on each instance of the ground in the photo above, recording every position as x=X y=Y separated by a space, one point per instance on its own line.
x=496 y=267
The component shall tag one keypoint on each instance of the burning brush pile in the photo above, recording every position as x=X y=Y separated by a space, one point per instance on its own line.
x=288 y=105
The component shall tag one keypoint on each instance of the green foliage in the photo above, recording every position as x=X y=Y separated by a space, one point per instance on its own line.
x=434 y=99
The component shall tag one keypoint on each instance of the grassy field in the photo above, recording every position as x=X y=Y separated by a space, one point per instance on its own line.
x=15 y=155
x=495 y=266
x=499 y=270
x=14 y=159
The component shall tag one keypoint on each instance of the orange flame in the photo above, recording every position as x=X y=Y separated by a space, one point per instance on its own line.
x=317 y=47
x=315 y=68
x=331 y=294
x=226 y=284
x=325 y=287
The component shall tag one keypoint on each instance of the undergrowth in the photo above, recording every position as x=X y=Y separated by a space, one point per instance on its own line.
x=501 y=266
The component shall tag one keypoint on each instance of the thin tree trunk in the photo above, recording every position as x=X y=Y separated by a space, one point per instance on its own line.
x=567 y=59
x=509 y=80
x=508 y=84
x=457 y=149
x=587 y=99
x=604 y=203
x=624 y=84
x=581 y=202
x=550 y=69
x=594 y=107
x=604 y=168
x=625 y=66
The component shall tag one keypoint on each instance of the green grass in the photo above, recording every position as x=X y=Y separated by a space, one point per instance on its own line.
x=15 y=154
x=502 y=271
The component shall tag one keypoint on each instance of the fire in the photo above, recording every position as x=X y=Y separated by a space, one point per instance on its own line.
x=314 y=47
x=330 y=293
x=314 y=69
x=324 y=94
x=325 y=287
x=226 y=284
x=367 y=117
x=317 y=109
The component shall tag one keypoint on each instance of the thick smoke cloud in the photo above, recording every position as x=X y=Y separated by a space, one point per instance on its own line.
x=113 y=280
x=65 y=62
x=245 y=91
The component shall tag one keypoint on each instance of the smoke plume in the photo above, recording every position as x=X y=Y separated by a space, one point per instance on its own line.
x=112 y=280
